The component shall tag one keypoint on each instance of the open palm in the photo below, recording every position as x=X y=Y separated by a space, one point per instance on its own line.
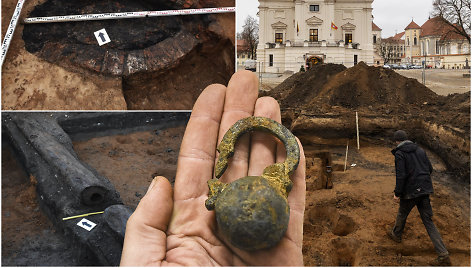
x=173 y=227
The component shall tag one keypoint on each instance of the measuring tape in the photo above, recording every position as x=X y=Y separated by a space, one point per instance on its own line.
x=11 y=29
x=129 y=15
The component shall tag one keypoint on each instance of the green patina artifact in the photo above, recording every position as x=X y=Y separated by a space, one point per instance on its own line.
x=253 y=212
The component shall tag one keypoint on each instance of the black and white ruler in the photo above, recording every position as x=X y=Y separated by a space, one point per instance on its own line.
x=11 y=29
x=130 y=15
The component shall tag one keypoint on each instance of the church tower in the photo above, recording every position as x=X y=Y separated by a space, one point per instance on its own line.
x=412 y=41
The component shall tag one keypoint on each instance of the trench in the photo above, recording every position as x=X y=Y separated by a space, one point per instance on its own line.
x=346 y=221
x=159 y=62
x=450 y=143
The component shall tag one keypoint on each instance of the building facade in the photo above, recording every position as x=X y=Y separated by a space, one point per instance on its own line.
x=432 y=43
x=440 y=47
x=376 y=39
x=243 y=53
x=395 y=48
x=295 y=33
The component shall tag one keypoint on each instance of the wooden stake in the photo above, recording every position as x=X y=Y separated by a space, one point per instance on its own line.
x=345 y=159
x=357 y=129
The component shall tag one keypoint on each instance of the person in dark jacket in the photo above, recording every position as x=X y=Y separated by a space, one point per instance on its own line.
x=413 y=187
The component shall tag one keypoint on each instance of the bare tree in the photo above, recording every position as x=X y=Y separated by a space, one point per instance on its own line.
x=455 y=13
x=386 y=52
x=250 y=35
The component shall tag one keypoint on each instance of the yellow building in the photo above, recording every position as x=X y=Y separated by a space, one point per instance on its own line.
x=412 y=41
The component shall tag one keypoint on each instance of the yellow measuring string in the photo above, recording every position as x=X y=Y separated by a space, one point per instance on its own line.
x=82 y=215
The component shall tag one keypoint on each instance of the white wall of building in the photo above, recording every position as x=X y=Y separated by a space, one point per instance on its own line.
x=294 y=20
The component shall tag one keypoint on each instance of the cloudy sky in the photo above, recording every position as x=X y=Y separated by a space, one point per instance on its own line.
x=391 y=16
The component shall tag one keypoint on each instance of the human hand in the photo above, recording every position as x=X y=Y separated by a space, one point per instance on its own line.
x=396 y=198
x=175 y=228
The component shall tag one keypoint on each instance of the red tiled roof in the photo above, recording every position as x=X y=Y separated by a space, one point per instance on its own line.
x=393 y=40
x=412 y=25
x=437 y=27
x=399 y=35
x=375 y=27
x=241 y=45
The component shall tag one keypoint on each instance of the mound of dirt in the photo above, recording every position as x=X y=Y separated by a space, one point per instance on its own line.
x=358 y=86
x=302 y=87
x=364 y=85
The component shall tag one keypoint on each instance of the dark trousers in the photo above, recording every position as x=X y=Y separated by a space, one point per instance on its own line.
x=426 y=213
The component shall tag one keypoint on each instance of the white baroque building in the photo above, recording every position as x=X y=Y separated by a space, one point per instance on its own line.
x=295 y=33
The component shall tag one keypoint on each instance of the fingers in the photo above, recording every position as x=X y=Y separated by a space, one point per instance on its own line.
x=145 y=238
x=263 y=145
x=296 y=200
x=241 y=96
x=197 y=151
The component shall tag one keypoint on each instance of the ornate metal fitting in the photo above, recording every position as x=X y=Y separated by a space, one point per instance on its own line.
x=253 y=212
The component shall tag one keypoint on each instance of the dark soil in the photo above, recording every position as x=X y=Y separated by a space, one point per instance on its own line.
x=364 y=85
x=154 y=29
x=300 y=88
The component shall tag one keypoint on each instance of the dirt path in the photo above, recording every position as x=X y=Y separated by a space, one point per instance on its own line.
x=442 y=82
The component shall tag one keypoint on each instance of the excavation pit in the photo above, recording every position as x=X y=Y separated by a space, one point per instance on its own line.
x=147 y=44
x=151 y=63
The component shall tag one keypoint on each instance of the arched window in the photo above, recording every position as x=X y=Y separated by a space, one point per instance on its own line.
x=415 y=41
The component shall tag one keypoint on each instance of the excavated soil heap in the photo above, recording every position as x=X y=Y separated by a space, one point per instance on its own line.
x=328 y=88
x=301 y=87
x=356 y=87
x=364 y=85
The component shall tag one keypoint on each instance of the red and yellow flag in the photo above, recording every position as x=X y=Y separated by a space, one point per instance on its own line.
x=333 y=26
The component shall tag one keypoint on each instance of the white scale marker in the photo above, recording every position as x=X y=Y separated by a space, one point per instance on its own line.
x=102 y=37
x=86 y=224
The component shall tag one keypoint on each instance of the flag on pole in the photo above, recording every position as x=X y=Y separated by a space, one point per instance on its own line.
x=333 y=26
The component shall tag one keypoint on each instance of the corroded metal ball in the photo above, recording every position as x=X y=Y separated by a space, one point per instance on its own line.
x=252 y=214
